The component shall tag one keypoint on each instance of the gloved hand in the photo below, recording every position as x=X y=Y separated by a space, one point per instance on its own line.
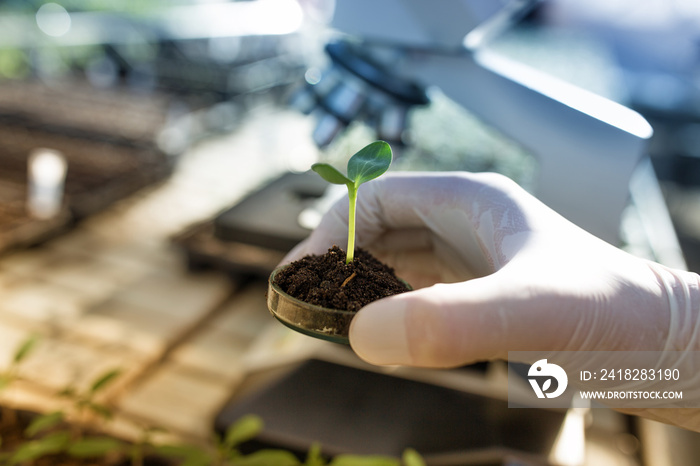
x=495 y=270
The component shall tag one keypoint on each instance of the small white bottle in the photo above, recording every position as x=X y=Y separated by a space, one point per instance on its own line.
x=46 y=170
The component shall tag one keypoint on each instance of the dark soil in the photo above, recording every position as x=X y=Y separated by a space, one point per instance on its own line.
x=327 y=281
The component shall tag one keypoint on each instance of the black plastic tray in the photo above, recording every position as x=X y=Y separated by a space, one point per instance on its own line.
x=253 y=236
x=268 y=216
x=350 y=410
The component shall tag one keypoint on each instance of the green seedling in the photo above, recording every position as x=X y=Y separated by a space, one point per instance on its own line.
x=8 y=416
x=55 y=433
x=226 y=449
x=367 y=164
x=50 y=434
x=227 y=452
x=21 y=353
x=83 y=401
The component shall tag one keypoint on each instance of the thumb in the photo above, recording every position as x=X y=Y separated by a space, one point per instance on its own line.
x=450 y=325
x=431 y=327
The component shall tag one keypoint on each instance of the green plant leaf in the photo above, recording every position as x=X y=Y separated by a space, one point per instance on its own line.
x=104 y=380
x=370 y=162
x=197 y=461
x=43 y=423
x=91 y=447
x=190 y=455
x=51 y=444
x=244 y=429
x=25 y=349
x=411 y=457
x=371 y=460
x=267 y=458
x=330 y=174
x=68 y=392
x=314 y=456
x=155 y=430
x=5 y=381
x=101 y=410
x=367 y=164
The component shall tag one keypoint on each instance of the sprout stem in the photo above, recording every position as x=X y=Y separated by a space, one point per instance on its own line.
x=352 y=196
x=367 y=164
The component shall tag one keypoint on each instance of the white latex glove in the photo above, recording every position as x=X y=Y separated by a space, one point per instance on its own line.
x=495 y=270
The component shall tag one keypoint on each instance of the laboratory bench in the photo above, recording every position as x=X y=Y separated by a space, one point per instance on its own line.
x=136 y=286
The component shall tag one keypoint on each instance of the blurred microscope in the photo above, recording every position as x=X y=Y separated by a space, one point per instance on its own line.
x=385 y=61
x=589 y=149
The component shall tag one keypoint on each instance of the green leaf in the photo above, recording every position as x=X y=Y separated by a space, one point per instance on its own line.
x=370 y=162
x=190 y=455
x=68 y=392
x=43 y=423
x=104 y=380
x=371 y=460
x=411 y=457
x=267 y=458
x=197 y=461
x=101 y=410
x=91 y=447
x=5 y=381
x=51 y=444
x=330 y=174
x=314 y=457
x=155 y=430
x=25 y=349
x=243 y=430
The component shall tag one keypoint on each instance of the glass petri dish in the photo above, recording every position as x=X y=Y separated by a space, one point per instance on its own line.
x=309 y=319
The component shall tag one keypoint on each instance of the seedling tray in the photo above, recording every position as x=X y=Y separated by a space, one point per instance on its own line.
x=76 y=105
x=106 y=162
x=101 y=169
x=206 y=251
x=269 y=216
x=17 y=229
